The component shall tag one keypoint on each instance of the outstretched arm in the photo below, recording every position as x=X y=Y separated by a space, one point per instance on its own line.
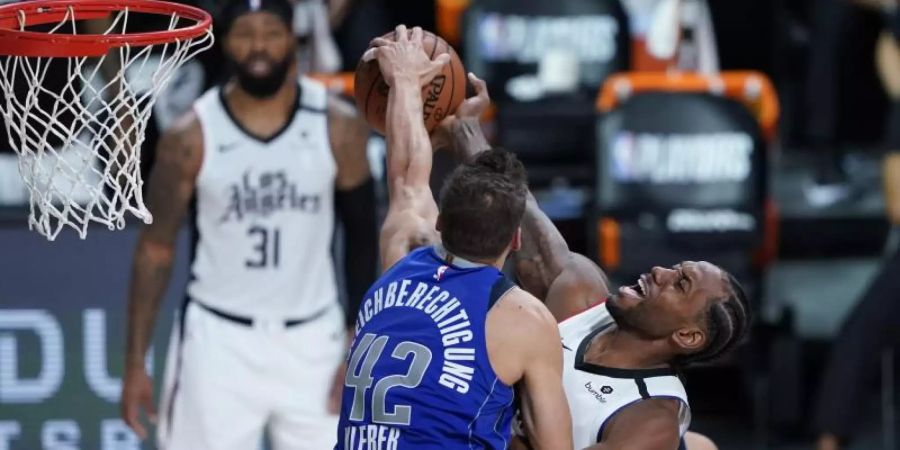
x=406 y=68
x=408 y=145
x=567 y=282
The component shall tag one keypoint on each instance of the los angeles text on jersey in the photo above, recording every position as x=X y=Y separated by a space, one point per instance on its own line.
x=265 y=194
x=371 y=437
x=448 y=315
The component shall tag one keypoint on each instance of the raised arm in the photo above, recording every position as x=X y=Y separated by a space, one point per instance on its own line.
x=412 y=212
x=406 y=68
x=179 y=156
x=567 y=282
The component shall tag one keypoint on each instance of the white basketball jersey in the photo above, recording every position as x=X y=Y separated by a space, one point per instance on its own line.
x=596 y=393
x=265 y=212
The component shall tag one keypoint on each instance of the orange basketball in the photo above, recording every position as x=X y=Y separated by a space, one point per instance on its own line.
x=441 y=97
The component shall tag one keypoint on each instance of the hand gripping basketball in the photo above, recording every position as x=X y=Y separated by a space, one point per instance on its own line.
x=405 y=57
x=420 y=55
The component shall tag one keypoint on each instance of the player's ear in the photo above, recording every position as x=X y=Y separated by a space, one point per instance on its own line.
x=516 y=243
x=690 y=339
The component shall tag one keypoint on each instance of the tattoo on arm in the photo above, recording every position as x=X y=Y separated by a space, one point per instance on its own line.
x=544 y=253
x=171 y=186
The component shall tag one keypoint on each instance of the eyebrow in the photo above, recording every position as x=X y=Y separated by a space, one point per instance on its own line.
x=686 y=276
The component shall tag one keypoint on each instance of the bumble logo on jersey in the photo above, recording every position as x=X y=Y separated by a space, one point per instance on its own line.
x=265 y=194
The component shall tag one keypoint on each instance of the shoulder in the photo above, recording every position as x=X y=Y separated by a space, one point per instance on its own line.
x=522 y=337
x=186 y=130
x=340 y=108
x=182 y=143
x=345 y=123
x=187 y=125
x=653 y=423
x=580 y=285
x=525 y=319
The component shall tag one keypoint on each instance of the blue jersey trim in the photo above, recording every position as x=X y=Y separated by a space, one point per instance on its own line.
x=481 y=408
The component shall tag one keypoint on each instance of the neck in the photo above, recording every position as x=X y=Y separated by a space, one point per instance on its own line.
x=624 y=350
x=450 y=257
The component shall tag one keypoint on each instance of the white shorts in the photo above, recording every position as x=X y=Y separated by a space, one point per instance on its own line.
x=226 y=383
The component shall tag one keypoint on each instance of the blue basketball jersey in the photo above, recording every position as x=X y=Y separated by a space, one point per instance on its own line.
x=418 y=375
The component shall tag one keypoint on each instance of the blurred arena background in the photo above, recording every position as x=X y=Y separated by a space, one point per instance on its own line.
x=756 y=134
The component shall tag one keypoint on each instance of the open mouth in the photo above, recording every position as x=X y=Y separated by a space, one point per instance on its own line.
x=641 y=287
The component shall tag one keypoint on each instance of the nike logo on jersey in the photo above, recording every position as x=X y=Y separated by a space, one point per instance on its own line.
x=265 y=194
x=223 y=148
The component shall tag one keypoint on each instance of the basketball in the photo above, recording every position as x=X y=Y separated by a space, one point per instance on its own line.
x=441 y=97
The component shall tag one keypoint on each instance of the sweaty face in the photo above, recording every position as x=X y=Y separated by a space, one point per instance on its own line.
x=666 y=300
x=259 y=47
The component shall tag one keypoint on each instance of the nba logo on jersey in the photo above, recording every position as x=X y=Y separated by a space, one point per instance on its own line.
x=440 y=273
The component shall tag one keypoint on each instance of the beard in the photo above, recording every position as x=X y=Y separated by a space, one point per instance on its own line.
x=634 y=321
x=262 y=86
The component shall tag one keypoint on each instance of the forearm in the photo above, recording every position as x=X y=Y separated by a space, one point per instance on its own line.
x=150 y=277
x=600 y=446
x=892 y=187
x=408 y=144
x=544 y=252
x=467 y=139
x=357 y=210
x=549 y=422
x=337 y=12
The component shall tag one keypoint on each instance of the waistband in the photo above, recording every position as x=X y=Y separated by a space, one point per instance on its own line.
x=256 y=322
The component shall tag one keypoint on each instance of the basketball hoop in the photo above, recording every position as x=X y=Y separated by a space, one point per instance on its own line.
x=79 y=147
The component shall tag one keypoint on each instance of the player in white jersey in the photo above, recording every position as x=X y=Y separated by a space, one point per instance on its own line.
x=265 y=159
x=622 y=352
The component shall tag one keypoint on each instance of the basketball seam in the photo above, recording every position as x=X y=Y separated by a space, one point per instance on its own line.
x=452 y=80
x=431 y=57
x=369 y=94
x=433 y=49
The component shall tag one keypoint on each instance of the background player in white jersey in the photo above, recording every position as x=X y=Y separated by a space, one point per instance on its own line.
x=519 y=333
x=262 y=335
x=622 y=351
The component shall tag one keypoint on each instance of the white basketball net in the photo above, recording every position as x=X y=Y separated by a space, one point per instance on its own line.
x=79 y=147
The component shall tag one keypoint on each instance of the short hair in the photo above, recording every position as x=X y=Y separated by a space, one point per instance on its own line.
x=482 y=204
x=727 y=321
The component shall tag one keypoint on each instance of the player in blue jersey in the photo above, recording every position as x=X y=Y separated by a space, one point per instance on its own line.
x=442 y=337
